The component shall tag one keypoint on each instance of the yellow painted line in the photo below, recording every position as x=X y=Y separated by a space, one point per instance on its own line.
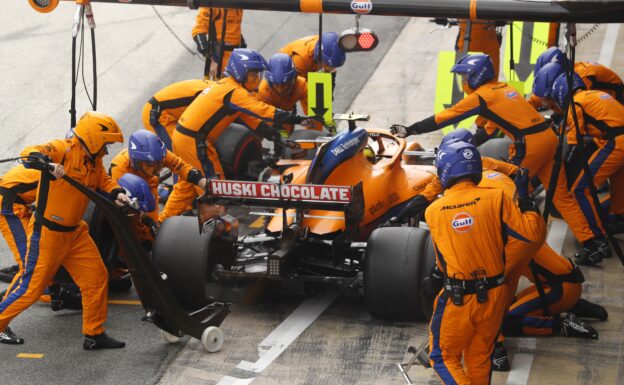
x=258 y=223
x=29 y=355
x=123 y=302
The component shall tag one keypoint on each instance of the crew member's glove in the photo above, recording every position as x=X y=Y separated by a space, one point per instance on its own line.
x=202 y=43
x=421 y=127
x=526 y=202
x=399 y=130
x=37 y=161
x=284 y=117
x=416 y=206
x=268 y=132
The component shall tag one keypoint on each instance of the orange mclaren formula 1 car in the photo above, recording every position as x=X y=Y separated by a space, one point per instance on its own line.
x=324 y=219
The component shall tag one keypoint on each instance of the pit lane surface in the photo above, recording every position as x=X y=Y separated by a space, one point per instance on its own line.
x=319 y=341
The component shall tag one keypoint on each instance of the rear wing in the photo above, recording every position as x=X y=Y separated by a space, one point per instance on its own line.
x=349 y=199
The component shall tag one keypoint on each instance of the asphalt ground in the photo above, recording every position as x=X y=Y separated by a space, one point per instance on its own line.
x=136 y=56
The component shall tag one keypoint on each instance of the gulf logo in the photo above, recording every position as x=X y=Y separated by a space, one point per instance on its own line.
x=361 y=6
x=462 y=222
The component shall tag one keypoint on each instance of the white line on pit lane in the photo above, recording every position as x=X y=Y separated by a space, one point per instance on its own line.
x=522 y=362
x=608 y=45
x=285 y=334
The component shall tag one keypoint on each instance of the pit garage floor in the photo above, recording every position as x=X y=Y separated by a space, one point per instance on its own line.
x=277 y=335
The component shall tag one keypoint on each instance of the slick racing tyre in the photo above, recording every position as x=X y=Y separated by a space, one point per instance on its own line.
x=303 y=135
x=394 y=269
x=497 y=148
x=237 y=146
x=183 y=256
x=428 y=261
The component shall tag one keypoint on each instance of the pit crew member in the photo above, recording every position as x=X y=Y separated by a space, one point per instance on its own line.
x=225 y=22
x=469 y=226
x=57 y=234
x=145 y=157
x=601 y=117
x=282 y=88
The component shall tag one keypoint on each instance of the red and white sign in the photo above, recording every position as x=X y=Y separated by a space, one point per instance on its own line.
x=462 y=222
x=361 y=6
x=274 y=191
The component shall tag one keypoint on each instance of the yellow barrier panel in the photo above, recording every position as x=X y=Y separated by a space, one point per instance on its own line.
x=320 y=95
x=449 y=89
x=529 y=41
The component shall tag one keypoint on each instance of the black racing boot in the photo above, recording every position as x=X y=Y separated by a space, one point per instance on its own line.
x=101 y=341
x=10 y=338
x=500 y=358
x=616 y=224
x=64 y=297
x=8 y=273
x=572 y=326
x=586 y=309
x=592 y=253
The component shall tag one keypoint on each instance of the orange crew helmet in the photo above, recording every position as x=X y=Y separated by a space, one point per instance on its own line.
x=95 y=130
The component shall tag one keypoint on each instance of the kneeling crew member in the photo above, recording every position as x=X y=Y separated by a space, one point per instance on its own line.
x=58 y=235
x=469 y=227
x=145 y=157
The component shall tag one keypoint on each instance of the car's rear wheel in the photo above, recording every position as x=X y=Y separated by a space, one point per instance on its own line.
x=497 y=148
x=237 y=146
x=394 y=268
x=183 y=255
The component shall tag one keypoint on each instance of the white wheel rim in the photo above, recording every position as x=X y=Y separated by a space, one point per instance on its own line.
x=212 y=339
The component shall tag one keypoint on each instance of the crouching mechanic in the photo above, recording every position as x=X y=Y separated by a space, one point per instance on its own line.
x=305 y=53
x=594 y=75
x=282 y=88
x=57 y=234
x=535 y=142
x=231 y=98
x=145 y=157
x=601 y=117
x=469 y=226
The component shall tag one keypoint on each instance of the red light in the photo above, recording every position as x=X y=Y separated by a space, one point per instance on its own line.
x=366 y=40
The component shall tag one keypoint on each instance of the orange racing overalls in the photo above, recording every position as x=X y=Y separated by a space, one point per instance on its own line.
x=470 y=226
x=233 y=33
x=534 y=141
x=532 y=312
x=299 y=93
x=302 y=53
x=57 y=236
x=121 y=165
x=161 y=113
x=602 y=117
x=18 y=189
x=201 y=125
